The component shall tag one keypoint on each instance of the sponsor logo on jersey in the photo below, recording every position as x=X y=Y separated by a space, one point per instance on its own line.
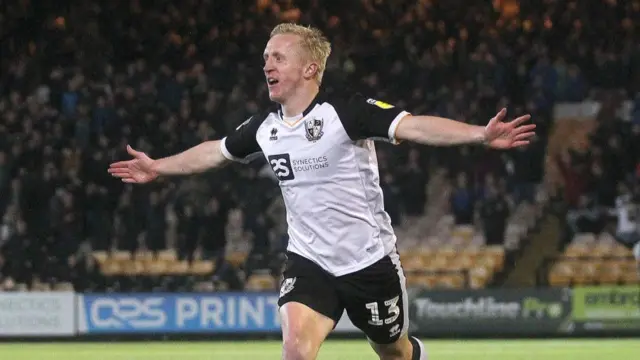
x=380 y=104
x=309 y=164
x=287 y=286
x=285 y=168
x=313 y=128
x=274 y=134
x=281 y=165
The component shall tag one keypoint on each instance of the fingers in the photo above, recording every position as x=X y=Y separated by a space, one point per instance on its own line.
x=524 y=129
x=522 y=119
x=126 y=163
x=119 y=171
x=120 y=164
x=520 y=143
x=123 y=174
x=132 y=152
x=499 y=116
x=524 y=136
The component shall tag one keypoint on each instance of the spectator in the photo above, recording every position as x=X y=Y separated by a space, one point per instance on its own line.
x=574 y=180
x=575 y=86
x=5 y=175
x=462 y=201
x=603 y=185
x=494 y=211
x=627 y=212
x=586 y=218
x=214 y=236
x=391 y=193
x=155 y=223
x=187 y=233
x=413 y=188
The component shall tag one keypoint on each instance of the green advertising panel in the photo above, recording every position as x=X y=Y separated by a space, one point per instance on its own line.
x=606 y=307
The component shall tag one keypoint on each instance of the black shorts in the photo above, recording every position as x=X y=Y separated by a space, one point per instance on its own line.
x=374 y=298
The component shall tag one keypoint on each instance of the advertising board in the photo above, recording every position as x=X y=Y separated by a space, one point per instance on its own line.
x=604 y=308
x=37 y=314
x=183 y=313
x=469 y=312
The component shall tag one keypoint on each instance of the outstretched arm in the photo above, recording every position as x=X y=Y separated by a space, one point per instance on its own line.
x=142 y=169
x=373 y=119
x=197 y=159
x=431 y=130
x=238 y=146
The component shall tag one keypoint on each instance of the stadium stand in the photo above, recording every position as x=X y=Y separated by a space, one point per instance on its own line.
x=77 y=83
x=603 y=206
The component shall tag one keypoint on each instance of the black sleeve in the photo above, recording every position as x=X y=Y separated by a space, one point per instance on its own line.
x=365 y=118
x=242 y=142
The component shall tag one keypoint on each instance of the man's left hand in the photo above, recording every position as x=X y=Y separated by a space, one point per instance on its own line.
x=506 y=135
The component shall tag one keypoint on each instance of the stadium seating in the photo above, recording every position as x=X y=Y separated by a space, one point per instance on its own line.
x=148 y=263
x=261 y=281
x=452 y=268
x=437 y=254
x=594 y=259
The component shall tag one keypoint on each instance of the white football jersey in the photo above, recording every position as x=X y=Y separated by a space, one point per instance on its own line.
x=328 y=173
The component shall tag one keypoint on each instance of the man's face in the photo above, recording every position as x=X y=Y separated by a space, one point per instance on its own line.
x=284 y=66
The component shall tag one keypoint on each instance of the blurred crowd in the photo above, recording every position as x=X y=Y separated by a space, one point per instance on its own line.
x=602 y=182
x=80 y=80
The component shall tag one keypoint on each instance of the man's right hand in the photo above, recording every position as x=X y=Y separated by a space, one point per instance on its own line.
x=136 y=171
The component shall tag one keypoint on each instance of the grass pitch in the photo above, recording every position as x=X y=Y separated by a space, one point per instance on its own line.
x=332 y=350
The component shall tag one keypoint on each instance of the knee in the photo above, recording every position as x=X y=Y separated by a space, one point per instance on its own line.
x=296 y=346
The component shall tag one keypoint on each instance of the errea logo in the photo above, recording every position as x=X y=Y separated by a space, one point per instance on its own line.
x=274 y=134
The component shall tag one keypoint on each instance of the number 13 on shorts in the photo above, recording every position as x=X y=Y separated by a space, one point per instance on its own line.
x=393 y=312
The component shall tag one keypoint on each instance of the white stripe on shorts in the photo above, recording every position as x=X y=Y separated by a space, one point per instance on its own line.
x=395 y=259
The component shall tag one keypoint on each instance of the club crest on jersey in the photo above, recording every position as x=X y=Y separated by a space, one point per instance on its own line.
x=313 y=128
x=380 y=104
x=287 y=286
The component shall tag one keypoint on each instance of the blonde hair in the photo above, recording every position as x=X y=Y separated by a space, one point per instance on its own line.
x=312 y=41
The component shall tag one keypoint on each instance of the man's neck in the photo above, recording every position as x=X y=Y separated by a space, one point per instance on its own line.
x=296 y=105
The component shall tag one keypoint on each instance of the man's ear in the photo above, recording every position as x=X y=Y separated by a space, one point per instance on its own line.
x=311 y=70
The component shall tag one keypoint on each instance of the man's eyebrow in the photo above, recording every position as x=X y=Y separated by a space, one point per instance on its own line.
x=274 y=53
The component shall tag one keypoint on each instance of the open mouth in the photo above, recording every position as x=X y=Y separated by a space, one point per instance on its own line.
x=272 y=81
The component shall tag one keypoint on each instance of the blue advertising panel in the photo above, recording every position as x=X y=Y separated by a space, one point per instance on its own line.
x=178 y=313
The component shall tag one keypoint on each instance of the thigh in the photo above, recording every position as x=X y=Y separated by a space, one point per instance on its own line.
x=303 y=331
x=309 y=307
x=376 y=300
